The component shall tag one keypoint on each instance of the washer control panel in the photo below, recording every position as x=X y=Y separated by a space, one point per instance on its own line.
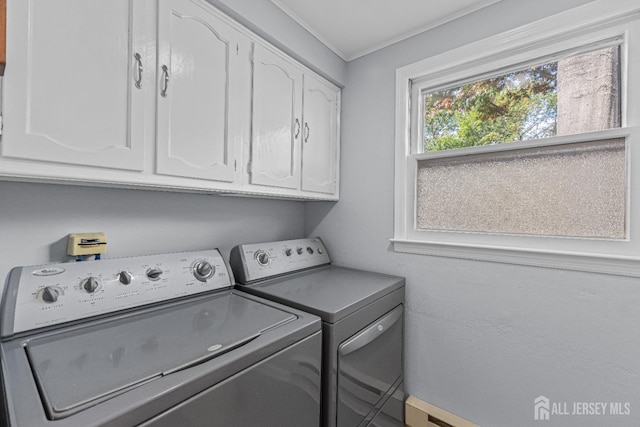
x=46 y=295
x=264 y=260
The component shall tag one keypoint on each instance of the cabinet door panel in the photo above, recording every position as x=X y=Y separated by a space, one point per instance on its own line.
x=320 y=136
x=276 y=121
x=69 y=95
x=207 y=65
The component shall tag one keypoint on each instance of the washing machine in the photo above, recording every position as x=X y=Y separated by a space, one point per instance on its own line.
x=362 y=316
x=153 y=341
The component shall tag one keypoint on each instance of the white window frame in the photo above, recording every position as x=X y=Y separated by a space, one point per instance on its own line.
x=593 y=24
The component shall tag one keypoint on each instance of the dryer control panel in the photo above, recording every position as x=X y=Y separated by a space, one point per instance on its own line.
x=45 y=295
x=264 y=260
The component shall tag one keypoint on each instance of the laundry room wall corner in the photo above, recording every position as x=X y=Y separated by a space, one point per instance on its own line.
x=483 y=340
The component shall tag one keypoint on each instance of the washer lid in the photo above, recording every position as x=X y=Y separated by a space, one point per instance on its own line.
x=79 y=368
x=329 y=292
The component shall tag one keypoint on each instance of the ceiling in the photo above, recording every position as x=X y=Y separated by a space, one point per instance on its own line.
x=353 y=28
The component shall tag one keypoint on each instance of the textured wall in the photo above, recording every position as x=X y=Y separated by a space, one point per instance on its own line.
x=483 y=339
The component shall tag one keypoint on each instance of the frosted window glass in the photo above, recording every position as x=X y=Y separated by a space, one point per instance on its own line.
x=573 y=190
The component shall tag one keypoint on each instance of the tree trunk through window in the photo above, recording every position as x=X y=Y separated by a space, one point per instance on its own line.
x=588 y=93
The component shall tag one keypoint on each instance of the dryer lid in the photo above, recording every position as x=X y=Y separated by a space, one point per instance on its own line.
x=81 y=367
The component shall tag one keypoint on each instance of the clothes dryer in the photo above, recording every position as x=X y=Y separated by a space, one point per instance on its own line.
x=362 y=316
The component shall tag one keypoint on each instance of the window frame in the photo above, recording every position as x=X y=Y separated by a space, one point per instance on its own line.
x=595 y=24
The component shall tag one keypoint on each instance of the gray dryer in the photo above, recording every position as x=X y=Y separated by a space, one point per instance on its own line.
x=362 y=325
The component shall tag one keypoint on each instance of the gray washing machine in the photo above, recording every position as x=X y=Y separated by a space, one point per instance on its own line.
x=158 y=340
x=362 y=325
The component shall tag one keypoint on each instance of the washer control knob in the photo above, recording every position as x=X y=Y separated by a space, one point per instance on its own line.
x=288 y=252
x=124 y=277
x=299 y=251
x=154 y=273
x=202 y=270
x=320 y=251
x=50 y=294
x=262 y=258
x=90 y=284
x=310 y=250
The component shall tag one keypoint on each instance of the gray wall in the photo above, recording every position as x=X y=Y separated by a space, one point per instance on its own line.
x=36 y=218
x=483 y=339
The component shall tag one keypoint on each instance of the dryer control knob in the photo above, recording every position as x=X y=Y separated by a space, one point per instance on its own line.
x=262 y=258
x=287 y=252
x=90 y=284
x=50 y=294
x=124 y=277
x=202 y=270
x=154 y=273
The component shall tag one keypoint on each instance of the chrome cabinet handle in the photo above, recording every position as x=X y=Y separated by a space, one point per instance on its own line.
x=297 y=129
x=307 y=132
x=165 y=81
x=139 y=68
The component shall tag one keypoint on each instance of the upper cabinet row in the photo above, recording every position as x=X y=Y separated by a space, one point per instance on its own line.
x=167 y=94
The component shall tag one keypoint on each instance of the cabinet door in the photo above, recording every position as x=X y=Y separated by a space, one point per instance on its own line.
x=320 y=136
x=69 y=92
x=276 y=121
x=203 y=92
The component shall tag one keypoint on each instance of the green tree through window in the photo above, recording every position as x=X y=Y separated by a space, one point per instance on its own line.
x=522 y=105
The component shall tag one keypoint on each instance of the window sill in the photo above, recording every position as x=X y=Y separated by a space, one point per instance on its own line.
x=594 y=263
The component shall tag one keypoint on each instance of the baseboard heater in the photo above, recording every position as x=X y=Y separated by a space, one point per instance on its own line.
x=419 y=413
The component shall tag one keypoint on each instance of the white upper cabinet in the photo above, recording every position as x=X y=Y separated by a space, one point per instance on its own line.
x=295 y=126
x=161 y=94
x=276 y=120
x=320 y=136
x=203 y=92
x=68 y=92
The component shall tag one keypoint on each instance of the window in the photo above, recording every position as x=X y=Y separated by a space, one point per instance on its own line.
x=575 y=94
x=522 y=148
